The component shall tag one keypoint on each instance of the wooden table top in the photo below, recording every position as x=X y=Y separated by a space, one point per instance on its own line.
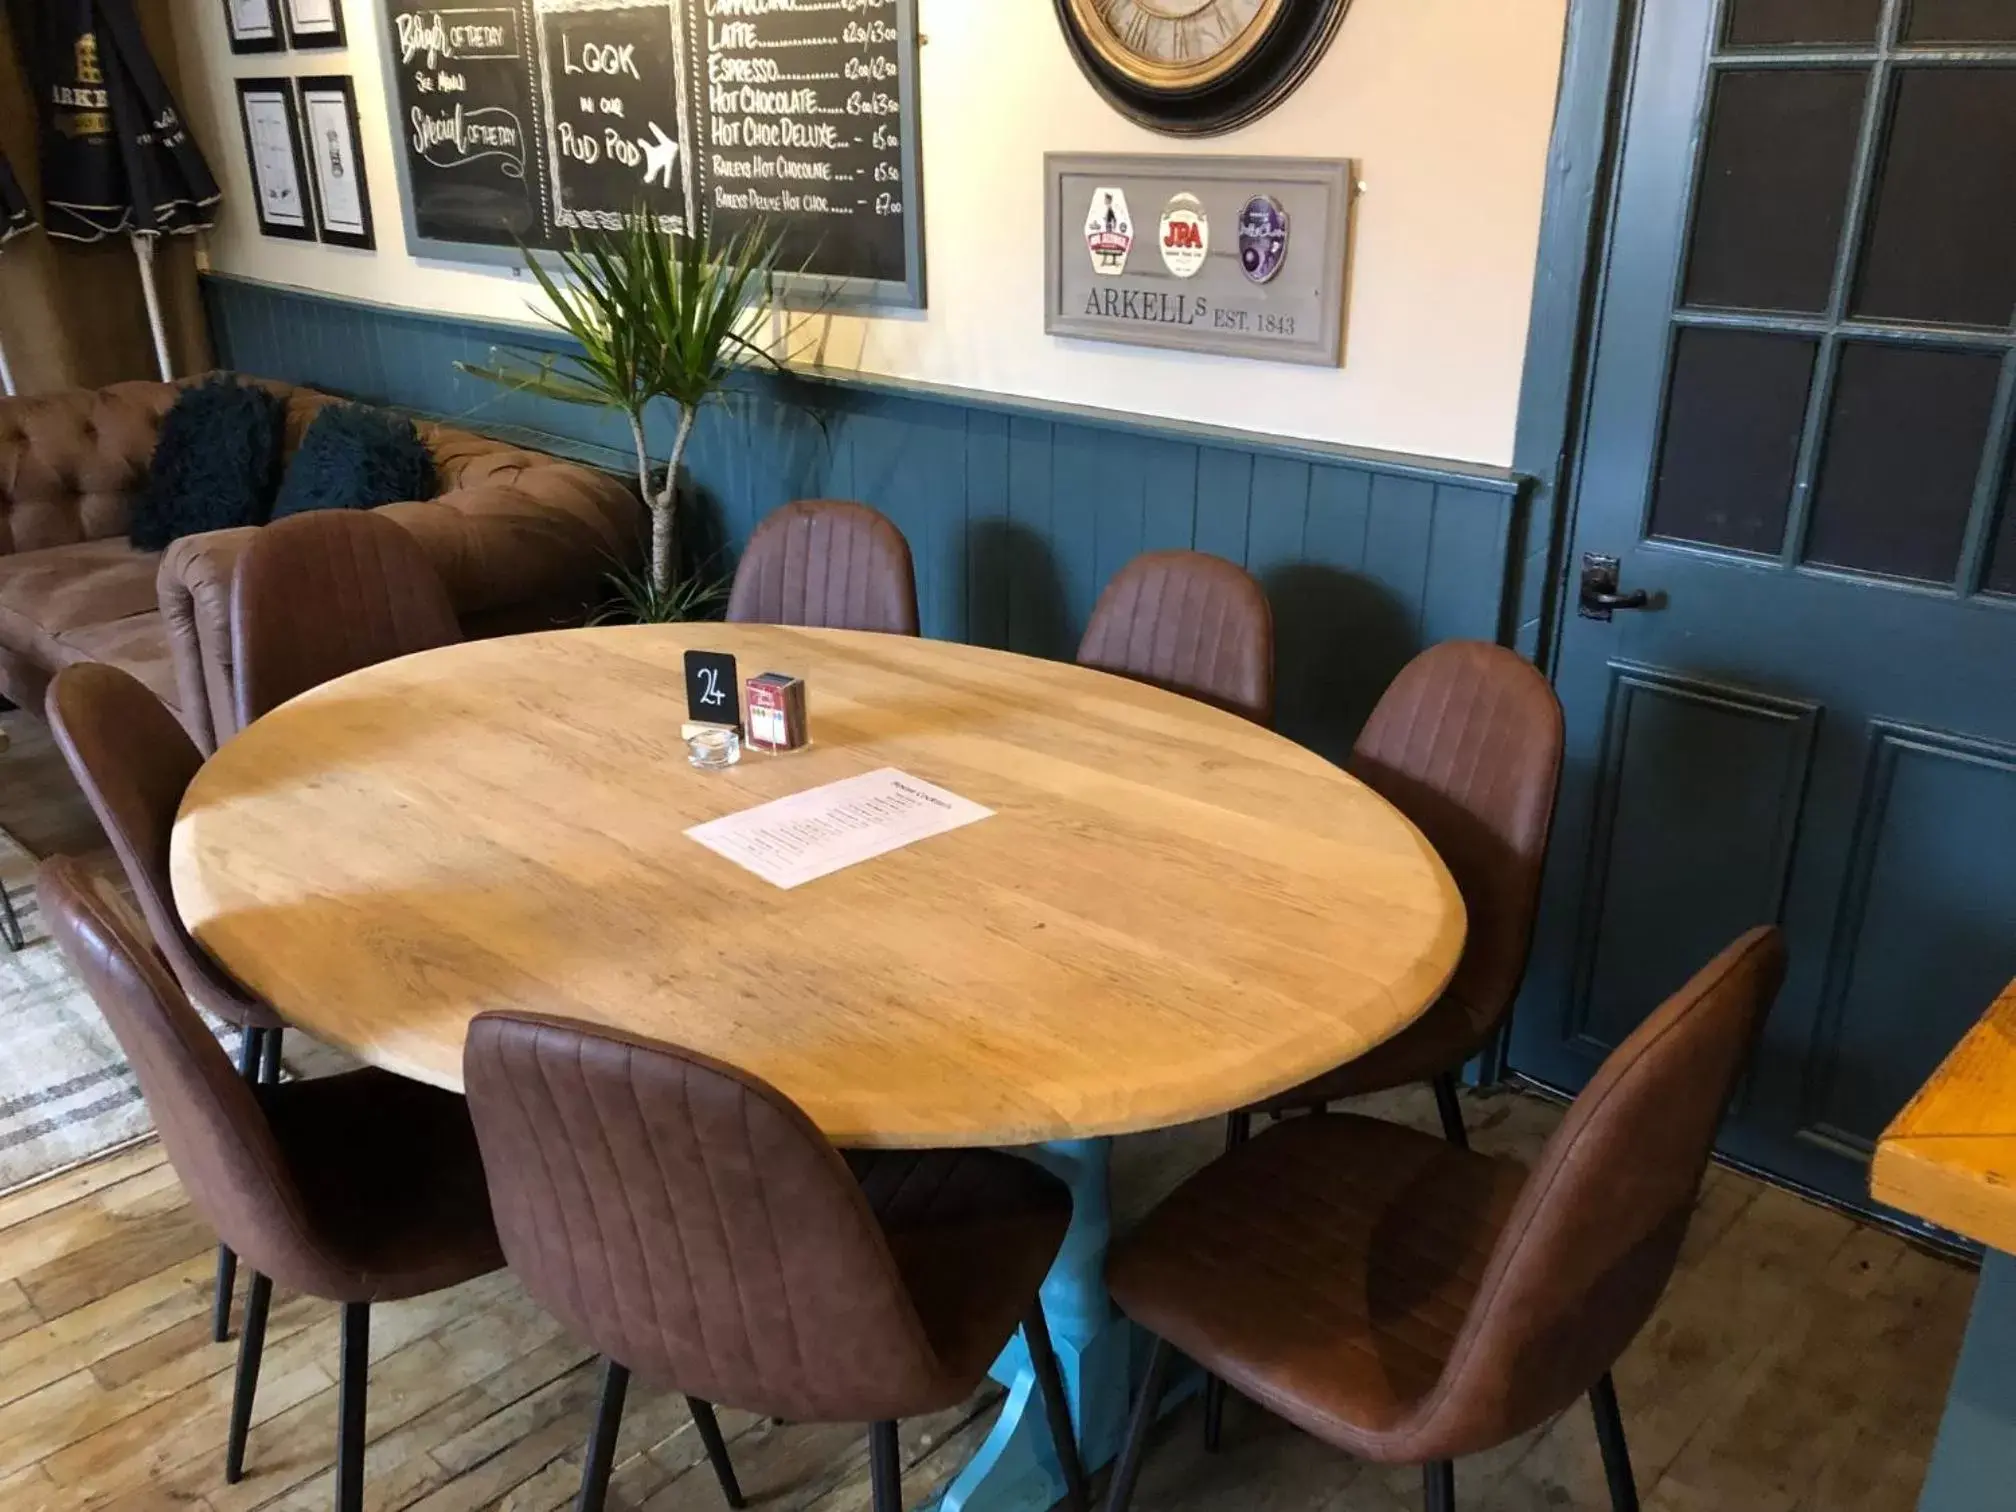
x=1950 y=1156
x=1172 y=911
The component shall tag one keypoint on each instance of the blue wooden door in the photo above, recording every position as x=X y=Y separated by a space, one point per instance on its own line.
x=1798 y=446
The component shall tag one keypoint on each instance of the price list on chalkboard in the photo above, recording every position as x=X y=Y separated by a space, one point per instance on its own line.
x=527 y=122
x=803 y=122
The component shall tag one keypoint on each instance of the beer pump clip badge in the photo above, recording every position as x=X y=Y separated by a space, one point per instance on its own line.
x=1109 y=231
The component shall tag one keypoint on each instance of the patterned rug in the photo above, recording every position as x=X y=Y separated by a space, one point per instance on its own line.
x=66 y=1092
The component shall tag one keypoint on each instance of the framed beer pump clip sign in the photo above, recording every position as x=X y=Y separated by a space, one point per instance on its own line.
x=1243 y=256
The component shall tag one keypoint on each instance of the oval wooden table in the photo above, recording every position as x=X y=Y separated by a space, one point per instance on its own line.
x=1171 y=912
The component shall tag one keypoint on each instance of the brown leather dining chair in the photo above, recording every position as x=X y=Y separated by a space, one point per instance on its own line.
x=830 y=563
x=359 y=1188
x=1467 y=744
x=320 y=594
x=1190 y=622
x=133 y=760
x=692 y=1224
x=1421 y=1301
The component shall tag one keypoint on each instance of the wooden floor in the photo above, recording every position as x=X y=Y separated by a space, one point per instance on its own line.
x=1797 y=1364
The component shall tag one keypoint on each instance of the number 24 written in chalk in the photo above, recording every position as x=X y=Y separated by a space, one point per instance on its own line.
x=711 y=687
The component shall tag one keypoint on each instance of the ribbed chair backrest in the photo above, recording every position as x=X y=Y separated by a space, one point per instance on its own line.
x=827 y=563
x=320 y=594
x=134 y=761
x=217 y=1136
x=691 y=1223
x=1193 y=623
x=1593 y=1240
x=1467 y=742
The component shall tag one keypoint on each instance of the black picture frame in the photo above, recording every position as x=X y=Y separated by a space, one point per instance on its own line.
x=275 y=39
x=320 y=89
x=333 y=37
x=256 y=120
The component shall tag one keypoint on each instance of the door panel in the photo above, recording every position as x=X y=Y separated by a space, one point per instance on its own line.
x=1710 y=780
x=1922 y=890
x=1798 y=441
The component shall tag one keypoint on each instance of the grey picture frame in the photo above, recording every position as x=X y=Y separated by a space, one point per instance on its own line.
x=1314 y=298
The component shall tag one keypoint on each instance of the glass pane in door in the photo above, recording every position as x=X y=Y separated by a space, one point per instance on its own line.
x=1904 y=448
x=1769 y=23
x=1961 y=21
x=1774 y=188
x=1734 y=411
x=1942 y=239
x=2002 y=558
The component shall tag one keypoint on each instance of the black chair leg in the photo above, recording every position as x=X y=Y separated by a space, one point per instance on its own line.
x=250 y=1044
x=1451 y=1111
x=269 y=1064
x=258 y=1293
x=352 y=1376
x=717 y=1450
x=1610 y=1437
x=602 y=1438
x=1127 y=1469
x=1238 y=1129
x=1438 y=1485
x=220 y=1308
x=885 y=1467
x=1050 y=1381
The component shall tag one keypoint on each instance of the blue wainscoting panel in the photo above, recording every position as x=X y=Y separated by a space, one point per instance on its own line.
x=1017 y=513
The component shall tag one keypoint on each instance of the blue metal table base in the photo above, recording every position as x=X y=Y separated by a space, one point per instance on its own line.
x=1099 y=1351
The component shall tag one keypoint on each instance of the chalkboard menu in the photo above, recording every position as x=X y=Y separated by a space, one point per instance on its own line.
x=523 y=122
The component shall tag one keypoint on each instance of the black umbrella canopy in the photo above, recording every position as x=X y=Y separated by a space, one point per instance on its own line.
x=15 y=214
x=116 y=157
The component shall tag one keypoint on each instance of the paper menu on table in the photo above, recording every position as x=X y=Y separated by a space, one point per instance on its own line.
x=822 y=830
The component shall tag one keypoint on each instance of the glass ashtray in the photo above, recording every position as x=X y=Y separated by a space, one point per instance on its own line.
x=714 y=750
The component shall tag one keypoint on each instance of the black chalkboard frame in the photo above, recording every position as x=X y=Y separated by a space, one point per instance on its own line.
x=794 y=291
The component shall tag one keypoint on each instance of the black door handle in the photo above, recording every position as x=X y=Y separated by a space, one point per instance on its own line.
x=1637 y=598
x=1599 y=598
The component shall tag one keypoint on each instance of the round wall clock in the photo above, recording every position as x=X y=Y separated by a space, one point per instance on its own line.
x=1194 y=67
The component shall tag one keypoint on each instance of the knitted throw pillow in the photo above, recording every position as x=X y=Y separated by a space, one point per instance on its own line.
x=216 y=463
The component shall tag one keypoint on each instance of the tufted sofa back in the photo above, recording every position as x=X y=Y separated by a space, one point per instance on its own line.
x=69 y=463
x=521 y=540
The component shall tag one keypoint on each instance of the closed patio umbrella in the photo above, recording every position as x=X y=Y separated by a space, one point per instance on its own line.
x=15 y=217
x=116 y=158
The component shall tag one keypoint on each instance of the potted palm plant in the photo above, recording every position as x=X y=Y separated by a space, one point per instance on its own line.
x=656 y=317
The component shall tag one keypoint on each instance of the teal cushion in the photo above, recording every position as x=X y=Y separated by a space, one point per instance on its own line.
x=356 y=458
x=216 y=462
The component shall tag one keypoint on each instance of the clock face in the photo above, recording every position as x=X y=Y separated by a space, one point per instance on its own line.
x=1192 y=67
x=1175 y=43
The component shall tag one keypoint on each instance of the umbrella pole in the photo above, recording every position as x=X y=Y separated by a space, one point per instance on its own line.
x=143 y=249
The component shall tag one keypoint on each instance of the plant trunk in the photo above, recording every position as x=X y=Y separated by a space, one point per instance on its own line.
x=665 y=507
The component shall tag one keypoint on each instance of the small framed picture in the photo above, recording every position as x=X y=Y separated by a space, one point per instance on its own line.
x=336 y=162
x=315 y=23
x=273 y=148
x=254 y=26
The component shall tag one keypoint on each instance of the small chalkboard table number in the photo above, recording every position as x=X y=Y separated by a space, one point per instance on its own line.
x=712 y=694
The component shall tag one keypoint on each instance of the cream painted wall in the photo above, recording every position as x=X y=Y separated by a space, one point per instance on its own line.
x=1446 y=105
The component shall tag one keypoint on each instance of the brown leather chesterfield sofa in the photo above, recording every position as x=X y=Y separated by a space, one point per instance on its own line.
x=522 y=541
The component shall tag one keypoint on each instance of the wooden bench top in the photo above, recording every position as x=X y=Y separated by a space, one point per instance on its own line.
x=1950 y=1156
